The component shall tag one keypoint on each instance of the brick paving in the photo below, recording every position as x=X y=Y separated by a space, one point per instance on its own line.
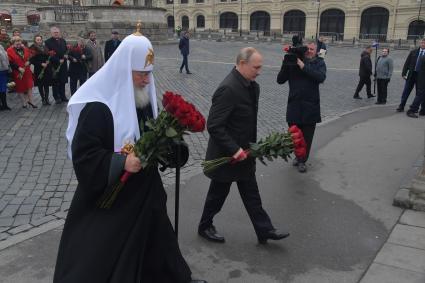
x=37 y=181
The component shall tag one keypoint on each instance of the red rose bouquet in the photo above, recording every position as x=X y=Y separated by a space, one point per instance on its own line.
x=177 y=119
x=273 y=146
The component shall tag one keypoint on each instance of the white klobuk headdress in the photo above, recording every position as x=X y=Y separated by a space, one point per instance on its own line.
x=113 y=86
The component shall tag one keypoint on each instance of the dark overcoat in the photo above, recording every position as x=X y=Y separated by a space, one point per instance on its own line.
x=410 y=63
x=59 y=46
x=232 y=124
x=304 y=96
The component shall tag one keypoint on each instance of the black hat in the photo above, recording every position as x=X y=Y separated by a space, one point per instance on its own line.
x=114 y=32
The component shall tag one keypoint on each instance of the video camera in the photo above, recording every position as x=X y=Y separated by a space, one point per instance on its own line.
x=294 y=52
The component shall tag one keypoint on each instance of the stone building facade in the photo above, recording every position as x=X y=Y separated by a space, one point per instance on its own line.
x=340 y=19
x=77 y=17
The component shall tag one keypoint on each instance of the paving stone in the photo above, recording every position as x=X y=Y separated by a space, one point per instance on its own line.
x=379 y=273
x=40 y=221
x=26 y=209
x=6 y=221
x=9 y=210
x=402 y=257
x=414 y=218
x=20 y=229
x=55 y=202
x=21 y=220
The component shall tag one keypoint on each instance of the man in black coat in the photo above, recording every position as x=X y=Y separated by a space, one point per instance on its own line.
x=410 y=74
x=111 y=45
x=365 y=71
x=184 y=50
x=60 y=68
x=232 y=125
x=420 y=90
x=303 y=107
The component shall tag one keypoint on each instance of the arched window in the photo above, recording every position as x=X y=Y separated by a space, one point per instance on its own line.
x=374 y=23
x=294 y=22
x=5 y=18
x=33 y=18
x=332 y=23
x=416 y=29
x=185 y=22
x=170 y=22
x=200 y=21
x=229 y=20
x=260 y=21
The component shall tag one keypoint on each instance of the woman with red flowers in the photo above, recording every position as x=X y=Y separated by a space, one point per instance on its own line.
x=19 y=57
x=42 y=68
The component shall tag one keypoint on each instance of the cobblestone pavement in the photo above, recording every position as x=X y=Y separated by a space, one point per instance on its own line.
x=37 y=181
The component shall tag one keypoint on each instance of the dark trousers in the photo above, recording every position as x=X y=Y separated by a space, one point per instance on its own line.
x=184 y=64
x=91 y=74
x=308 y=133
x=3 y=100
x=382 y=90
x=44 y=92
x=408 y=87
x=419 y=100
x=248 y=189
x=364 y=81
x=73 y=82
x=58 y=91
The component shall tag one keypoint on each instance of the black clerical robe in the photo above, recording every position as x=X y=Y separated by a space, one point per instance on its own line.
x=131 y=242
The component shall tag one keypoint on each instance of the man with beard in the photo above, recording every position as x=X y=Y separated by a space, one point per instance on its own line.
x=60 y=69
x=133 y=241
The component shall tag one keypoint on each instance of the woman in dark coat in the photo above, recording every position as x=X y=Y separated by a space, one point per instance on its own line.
x=42 y=68
x=78 y=58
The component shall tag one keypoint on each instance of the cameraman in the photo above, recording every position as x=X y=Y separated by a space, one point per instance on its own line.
x=303 y=107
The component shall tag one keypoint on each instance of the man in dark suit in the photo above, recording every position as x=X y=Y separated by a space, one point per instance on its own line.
x=111 y=45
x=410 y=74
x=184 y=50
x=232 y=125
x=365 y=71
x=60 y=77
x=420 y=89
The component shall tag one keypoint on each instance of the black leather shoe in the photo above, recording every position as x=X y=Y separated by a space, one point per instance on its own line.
x=421 y=113
x=211 y=235
x=411 y=114
x=273 y=235
x=198 y=281
x=357 y=97
x=302 y=168
x=370 y=95
x=400 y=109
x=189 y=73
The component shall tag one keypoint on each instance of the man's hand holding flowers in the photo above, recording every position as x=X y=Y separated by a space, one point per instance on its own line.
x=132 y=163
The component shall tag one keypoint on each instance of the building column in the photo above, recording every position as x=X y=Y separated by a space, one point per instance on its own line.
x=352 y=25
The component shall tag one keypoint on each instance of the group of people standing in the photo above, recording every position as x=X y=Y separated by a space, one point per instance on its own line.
x=413 y=73
x=55 y=63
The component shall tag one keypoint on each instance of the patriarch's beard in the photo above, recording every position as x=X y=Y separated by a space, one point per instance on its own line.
x=141 y=97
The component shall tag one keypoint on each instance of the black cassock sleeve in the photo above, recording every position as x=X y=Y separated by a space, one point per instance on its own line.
x=92 y=148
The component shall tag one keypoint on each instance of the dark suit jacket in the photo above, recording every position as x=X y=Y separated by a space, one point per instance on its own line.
x=420 y=79
x=184 y=45
x=410 y=63
x=110 y=49
x=232 y=124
